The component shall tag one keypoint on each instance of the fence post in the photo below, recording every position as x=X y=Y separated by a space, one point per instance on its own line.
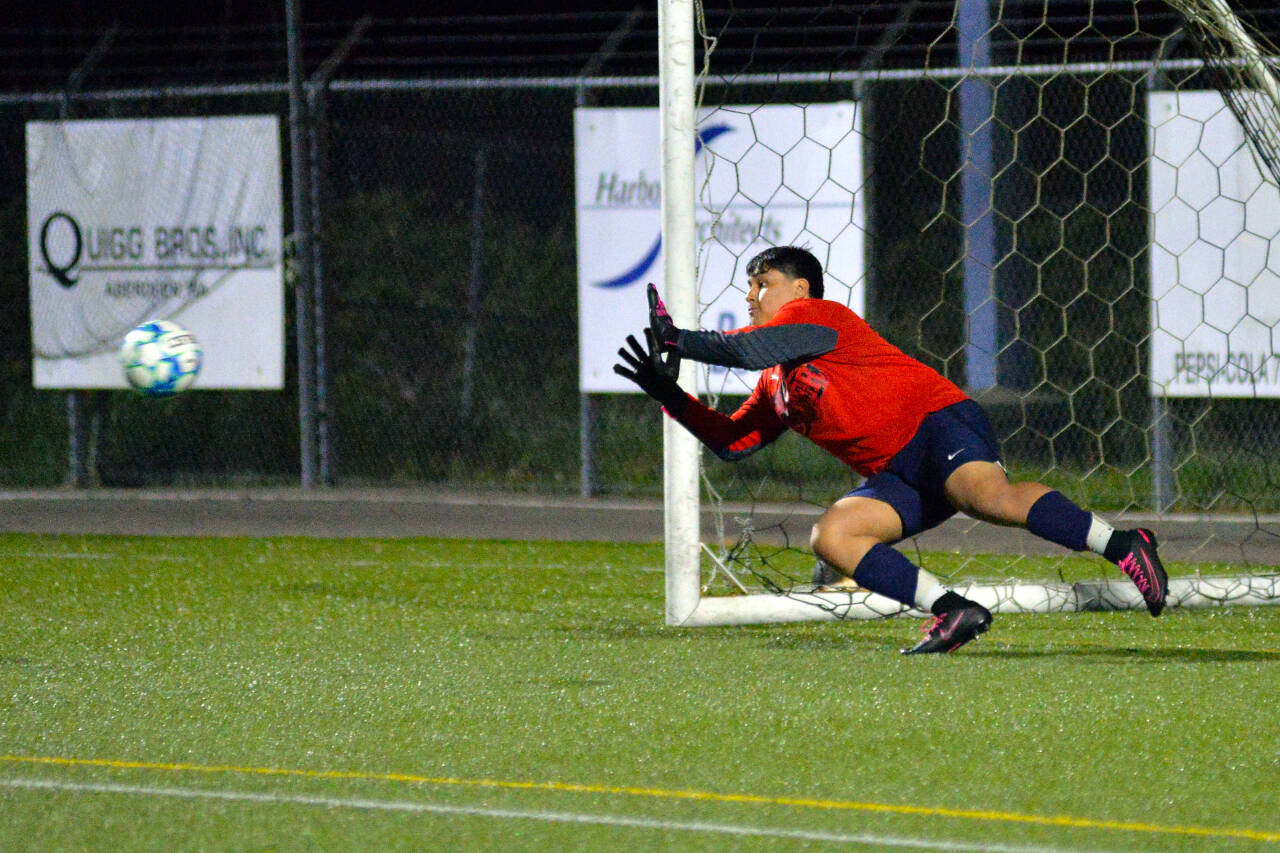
x=474 y=281
x=977 y=221
x=316 y=158
x=303 y=295
x=317 y=127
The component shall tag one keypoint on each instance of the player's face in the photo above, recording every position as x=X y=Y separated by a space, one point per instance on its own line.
x=771 y=290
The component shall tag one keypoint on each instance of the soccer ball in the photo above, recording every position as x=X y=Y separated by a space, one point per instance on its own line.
x=160 y=358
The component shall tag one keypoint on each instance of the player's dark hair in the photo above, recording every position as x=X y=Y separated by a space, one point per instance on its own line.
x=791 y=261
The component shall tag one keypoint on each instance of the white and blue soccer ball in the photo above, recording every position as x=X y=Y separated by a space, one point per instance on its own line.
x=160 y=358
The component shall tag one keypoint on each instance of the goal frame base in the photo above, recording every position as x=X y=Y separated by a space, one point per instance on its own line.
x=1009 y=597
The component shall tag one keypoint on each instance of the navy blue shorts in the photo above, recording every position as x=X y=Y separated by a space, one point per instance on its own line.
x=913 y=483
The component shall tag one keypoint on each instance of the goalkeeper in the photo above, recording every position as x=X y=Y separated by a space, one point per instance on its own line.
x=926 y=450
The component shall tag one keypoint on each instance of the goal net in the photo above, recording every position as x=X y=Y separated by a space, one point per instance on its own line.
x=1071 y=214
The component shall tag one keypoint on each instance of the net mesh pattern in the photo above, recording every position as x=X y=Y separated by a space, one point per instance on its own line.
x=1005 y=201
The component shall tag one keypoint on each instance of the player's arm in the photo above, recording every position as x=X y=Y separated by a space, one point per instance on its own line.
x=753 y=426
x=754 y=349
x=758 y=348
x=736 y=436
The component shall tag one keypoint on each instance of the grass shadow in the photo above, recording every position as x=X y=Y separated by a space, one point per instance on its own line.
x=1128 y=654
x=1003 y=651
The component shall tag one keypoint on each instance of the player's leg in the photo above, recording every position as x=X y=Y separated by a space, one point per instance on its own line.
x=848 y=530
x=853 y=537
x=983 y=490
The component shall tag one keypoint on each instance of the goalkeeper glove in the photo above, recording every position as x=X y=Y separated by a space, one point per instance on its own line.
x=655 y=374
x=660 y=320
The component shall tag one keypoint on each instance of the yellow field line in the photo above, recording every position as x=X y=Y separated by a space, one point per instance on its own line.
x=663 y=793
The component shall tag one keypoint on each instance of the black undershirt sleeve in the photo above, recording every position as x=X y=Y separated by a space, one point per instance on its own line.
x=758 y=348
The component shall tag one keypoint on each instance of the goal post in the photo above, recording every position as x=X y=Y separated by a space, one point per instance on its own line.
x=677 y=96
x=1110 y=249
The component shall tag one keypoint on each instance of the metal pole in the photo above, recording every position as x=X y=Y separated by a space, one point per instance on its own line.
x=303 y=293
x=324 y=423
x=976 y=196
x=77 y=439
x=471 y=332
x=587 y=480
x=1162 y=475
x=317 y=127
x=1161 y=453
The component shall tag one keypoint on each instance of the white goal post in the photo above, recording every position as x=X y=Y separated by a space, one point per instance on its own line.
x=685 y=555
x=677 y=97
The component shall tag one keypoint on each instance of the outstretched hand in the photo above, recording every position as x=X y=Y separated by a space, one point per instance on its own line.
x=655 y=373
x=664 y=328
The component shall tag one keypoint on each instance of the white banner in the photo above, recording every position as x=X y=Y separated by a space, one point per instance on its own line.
x=136 y=220
x=778 y=175
x=1215 y=253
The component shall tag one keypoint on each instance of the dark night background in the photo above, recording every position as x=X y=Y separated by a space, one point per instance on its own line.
x=430 y=179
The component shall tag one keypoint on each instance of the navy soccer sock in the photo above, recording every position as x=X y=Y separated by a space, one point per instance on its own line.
x=1057 y=519
x=887 y=572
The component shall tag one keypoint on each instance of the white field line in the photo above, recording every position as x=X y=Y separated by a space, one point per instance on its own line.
x=624 y=821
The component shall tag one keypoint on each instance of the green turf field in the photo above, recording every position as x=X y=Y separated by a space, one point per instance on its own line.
x=291 y=694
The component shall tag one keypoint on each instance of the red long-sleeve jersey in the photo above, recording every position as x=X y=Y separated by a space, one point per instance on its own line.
x=860 y=398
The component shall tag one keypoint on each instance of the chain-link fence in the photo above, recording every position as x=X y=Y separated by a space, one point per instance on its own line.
x=447 y=348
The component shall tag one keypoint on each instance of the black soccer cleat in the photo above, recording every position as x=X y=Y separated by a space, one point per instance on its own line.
x=1141 y=563
x=952 y=628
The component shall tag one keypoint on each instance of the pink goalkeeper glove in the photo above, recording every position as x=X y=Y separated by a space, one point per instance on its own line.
x=660 y=320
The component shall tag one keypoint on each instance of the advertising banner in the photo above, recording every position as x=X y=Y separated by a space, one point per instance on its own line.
x=155 y=219
x=1215 y=256
x=768 y=175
